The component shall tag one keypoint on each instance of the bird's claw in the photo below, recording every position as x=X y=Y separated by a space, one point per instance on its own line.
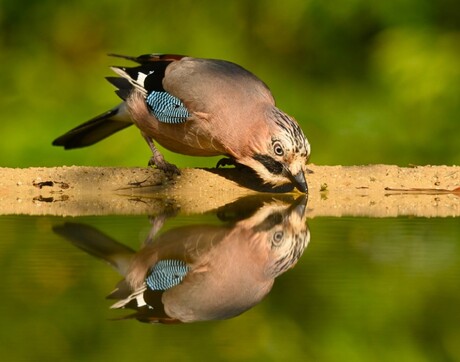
x=163 y=165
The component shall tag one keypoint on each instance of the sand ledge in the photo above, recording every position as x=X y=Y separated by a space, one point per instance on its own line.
x=373 y=190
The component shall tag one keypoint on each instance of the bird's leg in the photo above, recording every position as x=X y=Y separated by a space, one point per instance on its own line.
x=158 y=160
x=157 y=223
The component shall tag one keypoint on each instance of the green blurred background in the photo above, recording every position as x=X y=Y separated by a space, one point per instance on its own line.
x=364 y=290
x=369 y=81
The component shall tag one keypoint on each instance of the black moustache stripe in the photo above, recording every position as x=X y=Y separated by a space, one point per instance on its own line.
x=269 y=222
x=273 y=166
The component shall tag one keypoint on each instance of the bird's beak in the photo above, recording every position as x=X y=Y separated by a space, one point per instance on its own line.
x=299 y=181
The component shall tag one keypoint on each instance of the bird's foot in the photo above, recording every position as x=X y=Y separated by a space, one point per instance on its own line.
x=226 y=161
x=159 y=161
x=168 y=168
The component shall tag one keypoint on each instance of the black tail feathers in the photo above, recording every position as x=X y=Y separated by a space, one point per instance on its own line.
x=92 y=131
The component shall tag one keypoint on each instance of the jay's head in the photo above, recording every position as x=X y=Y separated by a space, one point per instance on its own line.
x=280 y=152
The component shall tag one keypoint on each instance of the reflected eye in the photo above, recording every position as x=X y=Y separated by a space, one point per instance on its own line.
x=277 y=238
x=278 y=149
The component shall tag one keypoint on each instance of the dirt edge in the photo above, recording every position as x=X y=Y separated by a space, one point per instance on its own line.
x=373 y=190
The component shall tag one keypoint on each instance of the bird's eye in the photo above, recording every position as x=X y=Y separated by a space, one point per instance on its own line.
x=278 y=149
x=277 y=238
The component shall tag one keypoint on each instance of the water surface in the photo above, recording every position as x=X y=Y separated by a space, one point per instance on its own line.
x=363 y=289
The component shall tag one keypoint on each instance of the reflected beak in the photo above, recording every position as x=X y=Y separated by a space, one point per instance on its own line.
x=299 y=181
x=300 y=206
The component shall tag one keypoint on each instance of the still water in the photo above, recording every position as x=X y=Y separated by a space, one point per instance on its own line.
x=255 y=280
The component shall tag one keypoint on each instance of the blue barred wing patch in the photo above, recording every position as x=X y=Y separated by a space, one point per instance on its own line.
x=167 y=108
x=166 y=274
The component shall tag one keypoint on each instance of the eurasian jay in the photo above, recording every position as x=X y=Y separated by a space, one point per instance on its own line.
x=202 y=272
x=202 y=107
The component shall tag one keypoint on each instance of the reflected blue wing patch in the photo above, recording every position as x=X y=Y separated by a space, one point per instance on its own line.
x=166 y=274
x=167 y=108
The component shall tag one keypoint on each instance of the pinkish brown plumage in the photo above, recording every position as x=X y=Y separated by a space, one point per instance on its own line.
x=202 y=107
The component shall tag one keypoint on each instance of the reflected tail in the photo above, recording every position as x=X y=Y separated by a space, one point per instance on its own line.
x=97 y=244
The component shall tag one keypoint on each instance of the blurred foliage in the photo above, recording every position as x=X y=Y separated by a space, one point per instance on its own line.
x=381 y=75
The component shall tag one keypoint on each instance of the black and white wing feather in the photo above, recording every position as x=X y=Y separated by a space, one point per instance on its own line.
x=148 y=79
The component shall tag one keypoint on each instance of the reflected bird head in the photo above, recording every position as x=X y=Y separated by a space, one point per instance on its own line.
x=284 y=232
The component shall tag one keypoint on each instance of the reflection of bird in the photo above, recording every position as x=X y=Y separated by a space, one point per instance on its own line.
x=202 y=107
x=202 y=272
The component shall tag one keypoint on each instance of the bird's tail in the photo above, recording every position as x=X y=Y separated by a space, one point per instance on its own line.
x=96 y=129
